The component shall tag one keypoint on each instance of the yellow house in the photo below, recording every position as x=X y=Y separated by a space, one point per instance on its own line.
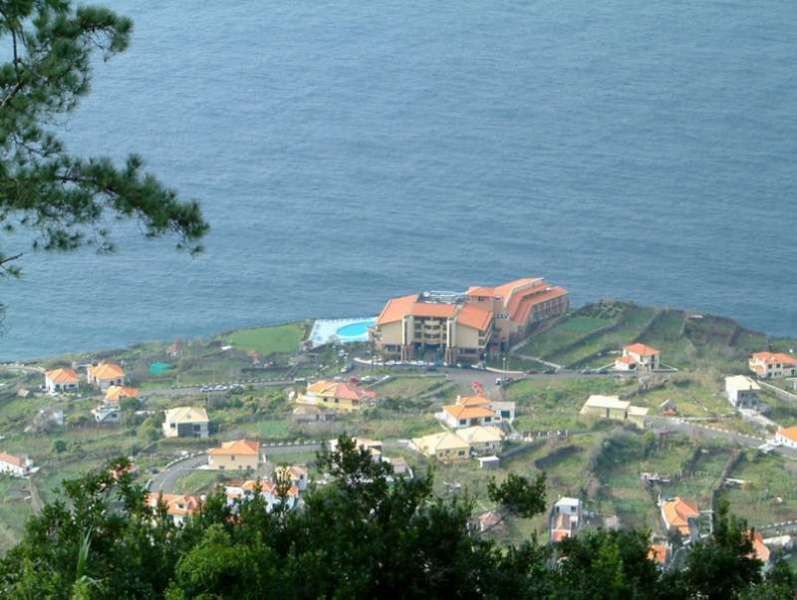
x=611 y=407
x=186 y=421
x=482 y=440
x=236 y=455
x=337 y=395
x=117 y=393
x=445 y=447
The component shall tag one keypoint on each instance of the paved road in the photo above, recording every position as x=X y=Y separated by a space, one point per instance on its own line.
x=165 y=480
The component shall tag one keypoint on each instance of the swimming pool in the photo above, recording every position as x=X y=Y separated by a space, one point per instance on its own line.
x=340 y=331
x=355 y=330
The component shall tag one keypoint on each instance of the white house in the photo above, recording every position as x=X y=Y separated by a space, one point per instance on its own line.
x=245 y=491
x=59 y=381
x=178 y=506
x=742 y=391
x=470 y=411
x=18 y=466
x=638 y=357
x=773 y=364
x=787 y=436
x=105 y=374
x=565 y=519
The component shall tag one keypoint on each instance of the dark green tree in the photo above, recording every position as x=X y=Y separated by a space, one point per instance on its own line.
x=65 y=200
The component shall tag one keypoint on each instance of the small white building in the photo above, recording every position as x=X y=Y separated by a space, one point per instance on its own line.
x=565 y=519
x=742 y=391
x=106 y=414
x=611 y=407
x=787 y=436
x=18 y=466
x=61 y=381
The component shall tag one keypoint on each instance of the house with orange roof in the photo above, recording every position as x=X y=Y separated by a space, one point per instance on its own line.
x=638 y=357
x=469 y=411
x=773 y=364
x=18 y=466
x=105 y=374
x=660 y=554
x=61 y=381
x=116 y=393
x=297 y=475
x=178 y=506
x=236 y=455
x=679 y=515
x=337 y=395
x=760 y=549
x=462 y=327
x=786 y=436
x=273 y=494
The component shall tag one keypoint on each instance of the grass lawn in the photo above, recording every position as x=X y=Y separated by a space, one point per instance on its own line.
x=597 y=351
x=769 y=494
x=695 y=395
x=551 y=404
x=408 y=386
x=198 y=482
x=563 y=333
x=281 y=339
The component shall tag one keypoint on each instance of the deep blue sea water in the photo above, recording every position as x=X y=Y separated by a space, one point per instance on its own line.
x=348 y=151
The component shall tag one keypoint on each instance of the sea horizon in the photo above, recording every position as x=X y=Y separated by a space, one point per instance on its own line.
x=346 y=155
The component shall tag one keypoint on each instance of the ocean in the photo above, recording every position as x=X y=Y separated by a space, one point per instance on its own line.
x=348 y=151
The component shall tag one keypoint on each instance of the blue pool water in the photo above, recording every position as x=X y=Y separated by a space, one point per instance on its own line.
x=349 y=151
x=355 y=330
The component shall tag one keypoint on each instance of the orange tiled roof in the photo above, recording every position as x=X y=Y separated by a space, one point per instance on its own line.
x=116 y=392
x=760 y=550
x=658 y=553
x=475 y=317
x=775 y=357
x=340 y=389
x=238 y=447
x=641 y=349
x=396 y=309
x=522 y=307
x=789 y=432
x=62 y=376
x=473 y=401
x=468 y=412
x=677 y=513
x=626 y=360
x=267 y=487
x=18 y=461
x=177 y=505
x=107 y=371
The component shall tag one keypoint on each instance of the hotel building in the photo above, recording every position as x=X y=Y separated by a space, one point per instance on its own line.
x=464 y=327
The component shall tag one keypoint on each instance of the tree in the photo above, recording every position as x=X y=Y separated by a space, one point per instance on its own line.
x=366 y=534
x=65 y=200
